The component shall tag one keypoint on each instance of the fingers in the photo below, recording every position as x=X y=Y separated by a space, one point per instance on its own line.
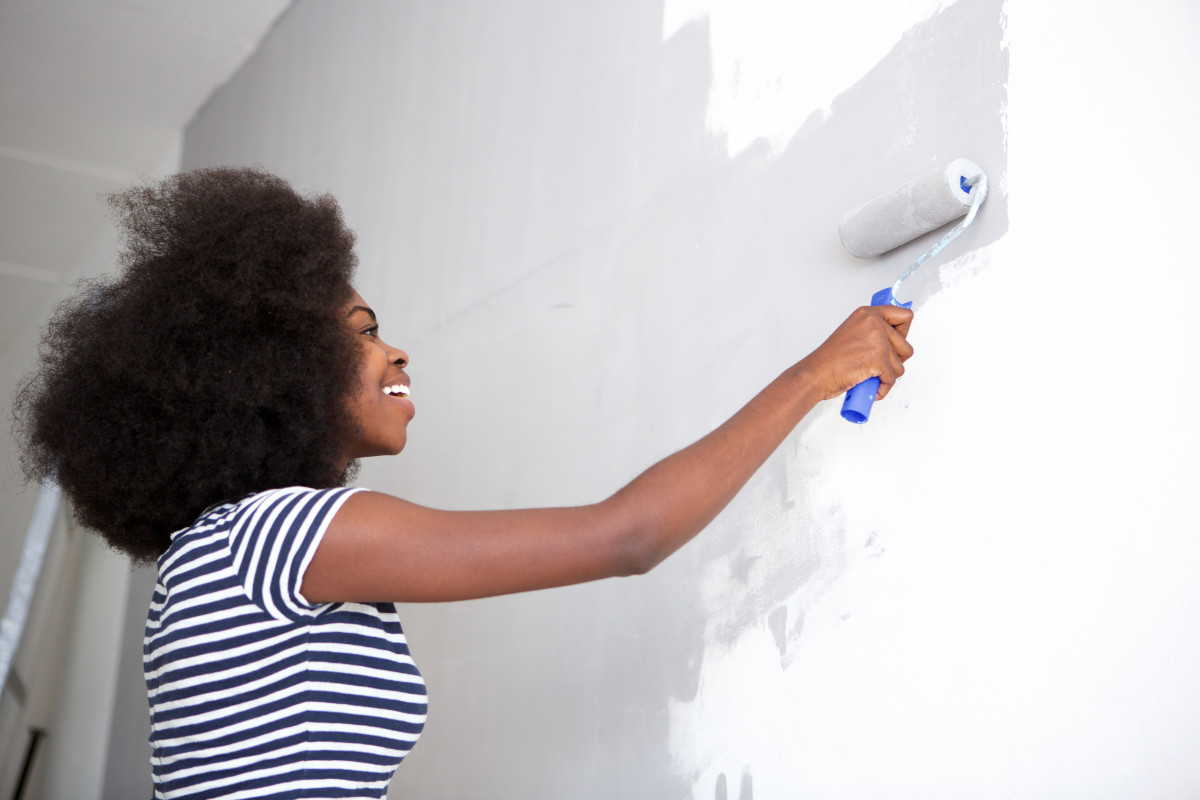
x=898 y=350
x=898 y=322
x=870 y=343
x=899 y=342
x=895 y=316
x=888 y=378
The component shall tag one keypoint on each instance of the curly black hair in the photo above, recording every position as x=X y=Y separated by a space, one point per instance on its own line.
x=215 y=364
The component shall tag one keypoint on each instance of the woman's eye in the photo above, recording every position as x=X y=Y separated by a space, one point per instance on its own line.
x=372 y=331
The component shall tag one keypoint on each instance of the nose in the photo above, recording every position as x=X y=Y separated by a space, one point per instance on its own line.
x=398 y=356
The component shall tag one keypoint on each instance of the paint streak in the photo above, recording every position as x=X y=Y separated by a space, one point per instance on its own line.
x=777 y=622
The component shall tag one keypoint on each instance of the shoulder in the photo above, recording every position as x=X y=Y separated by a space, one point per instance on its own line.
x=258 y=504
x=289 y=510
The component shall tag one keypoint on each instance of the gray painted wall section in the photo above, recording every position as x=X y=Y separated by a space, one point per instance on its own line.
x=586 y=280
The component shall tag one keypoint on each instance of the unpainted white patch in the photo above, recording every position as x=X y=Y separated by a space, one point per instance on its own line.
x=776 y=62
x=859 y=610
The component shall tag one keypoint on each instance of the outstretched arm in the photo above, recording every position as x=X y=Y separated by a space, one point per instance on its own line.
x=380 y=548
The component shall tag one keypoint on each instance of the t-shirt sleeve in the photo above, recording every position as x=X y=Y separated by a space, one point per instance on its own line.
x=273 y=541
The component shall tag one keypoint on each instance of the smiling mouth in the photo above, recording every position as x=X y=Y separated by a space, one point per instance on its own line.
x=396 y=390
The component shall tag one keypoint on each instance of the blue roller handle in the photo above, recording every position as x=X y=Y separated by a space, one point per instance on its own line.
x=857 y=405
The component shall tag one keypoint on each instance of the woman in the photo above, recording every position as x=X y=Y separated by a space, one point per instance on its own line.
x=206 y=408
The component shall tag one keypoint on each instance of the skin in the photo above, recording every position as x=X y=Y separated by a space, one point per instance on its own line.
x=383 y=419
x=379 y=548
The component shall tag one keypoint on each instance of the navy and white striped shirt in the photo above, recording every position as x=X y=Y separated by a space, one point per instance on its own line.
x=254 y=691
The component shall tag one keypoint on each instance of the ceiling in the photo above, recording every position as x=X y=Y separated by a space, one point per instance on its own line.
x=95 y=94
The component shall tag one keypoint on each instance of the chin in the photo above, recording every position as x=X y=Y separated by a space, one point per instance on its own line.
x=381 y=449
x=393 y=448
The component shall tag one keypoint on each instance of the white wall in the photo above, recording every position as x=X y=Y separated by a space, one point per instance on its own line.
x=598 y=228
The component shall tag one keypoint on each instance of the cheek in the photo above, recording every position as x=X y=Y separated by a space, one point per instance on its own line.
x=360 y=393
x=369 y=364
x=372 y=366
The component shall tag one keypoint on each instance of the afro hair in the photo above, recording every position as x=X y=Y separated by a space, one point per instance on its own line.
x=216 y=363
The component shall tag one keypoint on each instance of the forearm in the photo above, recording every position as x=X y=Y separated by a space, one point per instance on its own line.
x=675 y=499
x=381 y=548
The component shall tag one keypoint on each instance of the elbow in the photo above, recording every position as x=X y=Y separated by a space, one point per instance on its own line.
x=638 y=564
x=637 y=537
x=636 y=551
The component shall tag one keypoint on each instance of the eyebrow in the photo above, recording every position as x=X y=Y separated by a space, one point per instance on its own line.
x=363 y=308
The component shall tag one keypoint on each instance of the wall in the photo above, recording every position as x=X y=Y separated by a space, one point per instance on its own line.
x=86 y=613
x=597 y=229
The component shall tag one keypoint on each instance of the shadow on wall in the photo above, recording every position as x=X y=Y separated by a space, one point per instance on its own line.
x=745 y=791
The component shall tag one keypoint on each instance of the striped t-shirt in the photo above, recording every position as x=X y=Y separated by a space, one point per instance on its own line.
x=254 y=691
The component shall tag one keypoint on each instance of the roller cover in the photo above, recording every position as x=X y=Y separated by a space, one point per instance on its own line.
x=903 y=214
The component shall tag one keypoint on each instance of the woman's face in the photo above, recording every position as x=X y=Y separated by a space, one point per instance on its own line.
x=380 y=404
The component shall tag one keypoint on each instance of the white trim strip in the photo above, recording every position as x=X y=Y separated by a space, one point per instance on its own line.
x=37 y=536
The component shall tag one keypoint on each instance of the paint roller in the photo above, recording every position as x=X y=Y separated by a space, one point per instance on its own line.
x=899 y=216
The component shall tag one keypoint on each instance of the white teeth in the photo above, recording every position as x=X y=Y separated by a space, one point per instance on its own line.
x=396 y=389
